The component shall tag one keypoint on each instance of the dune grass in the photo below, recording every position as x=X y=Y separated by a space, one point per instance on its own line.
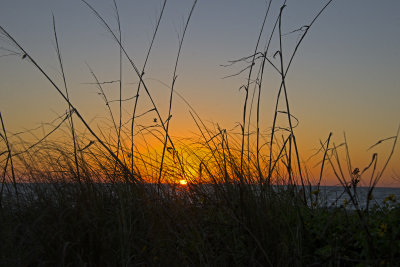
x=112 y=197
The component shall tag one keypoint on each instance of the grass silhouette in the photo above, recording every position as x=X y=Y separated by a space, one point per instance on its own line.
x=112 y=197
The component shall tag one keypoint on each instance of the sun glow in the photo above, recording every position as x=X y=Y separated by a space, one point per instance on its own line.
x=182 y=182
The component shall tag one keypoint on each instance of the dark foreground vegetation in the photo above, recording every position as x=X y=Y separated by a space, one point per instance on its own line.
x=110 y=197
x=229 y=225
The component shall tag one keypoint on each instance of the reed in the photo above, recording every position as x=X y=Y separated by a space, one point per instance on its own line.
x=129 y=194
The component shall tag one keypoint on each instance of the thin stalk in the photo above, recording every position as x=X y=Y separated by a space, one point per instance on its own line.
x=9 y=155
x=284 y=74
x=120 y=79
x=141 y=76
x=379 y=175
x=70 y=110
x=289 y=117
x=304 y=35
x=97 y=82
x=349 y=166
x=323 y=160
x=248 y=86
x=174 y=77
x=276 y=104
x=280 y=152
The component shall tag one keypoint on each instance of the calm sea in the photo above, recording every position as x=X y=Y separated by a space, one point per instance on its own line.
x=336 y=196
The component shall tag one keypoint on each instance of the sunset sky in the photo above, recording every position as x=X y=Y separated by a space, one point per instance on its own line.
x=345 y=77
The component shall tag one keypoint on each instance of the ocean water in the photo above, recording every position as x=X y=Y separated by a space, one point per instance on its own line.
x=337 y=196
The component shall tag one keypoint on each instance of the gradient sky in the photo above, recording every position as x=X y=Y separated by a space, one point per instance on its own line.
x=345 y=77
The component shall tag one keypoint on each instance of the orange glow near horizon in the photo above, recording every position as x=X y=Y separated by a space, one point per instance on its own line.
x=187 y=163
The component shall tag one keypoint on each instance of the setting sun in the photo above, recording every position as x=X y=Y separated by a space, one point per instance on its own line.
x=182 y=182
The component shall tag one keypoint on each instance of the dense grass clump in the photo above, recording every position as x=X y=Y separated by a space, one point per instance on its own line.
x=127 y=224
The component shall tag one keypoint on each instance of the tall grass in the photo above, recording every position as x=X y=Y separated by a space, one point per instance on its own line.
x=112 y=197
